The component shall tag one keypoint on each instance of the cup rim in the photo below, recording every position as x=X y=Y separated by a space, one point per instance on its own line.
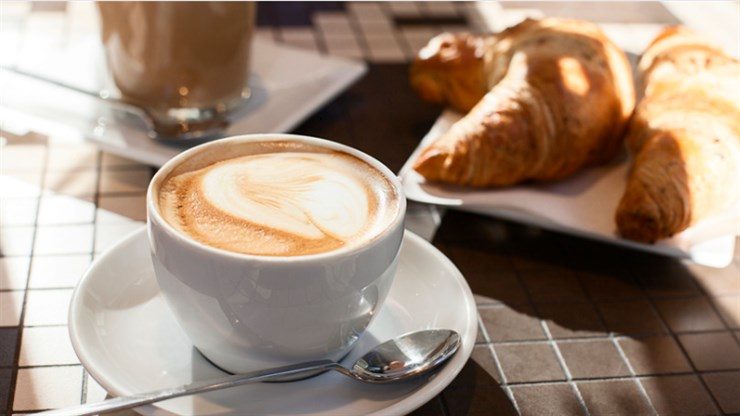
x=153 y=209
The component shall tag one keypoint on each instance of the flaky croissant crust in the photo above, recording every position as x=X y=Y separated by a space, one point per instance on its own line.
x=554 y=96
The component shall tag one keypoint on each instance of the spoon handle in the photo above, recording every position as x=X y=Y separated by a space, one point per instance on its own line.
x=128 y=402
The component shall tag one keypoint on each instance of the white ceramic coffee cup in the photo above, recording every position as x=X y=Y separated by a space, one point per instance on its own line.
x=247 y=312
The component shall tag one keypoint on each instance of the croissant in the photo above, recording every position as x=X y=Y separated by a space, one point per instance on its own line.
x=545 y=98
x=684 y=137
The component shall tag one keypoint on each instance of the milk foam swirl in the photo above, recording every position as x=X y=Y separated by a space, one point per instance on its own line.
x=282 y=203
x=295 y=193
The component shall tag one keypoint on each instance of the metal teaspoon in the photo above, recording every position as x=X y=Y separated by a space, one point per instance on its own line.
x=402 y=358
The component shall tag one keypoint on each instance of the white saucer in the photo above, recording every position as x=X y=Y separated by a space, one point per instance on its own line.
x=126 y=337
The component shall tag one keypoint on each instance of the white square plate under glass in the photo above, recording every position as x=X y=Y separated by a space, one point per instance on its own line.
x=287 y=84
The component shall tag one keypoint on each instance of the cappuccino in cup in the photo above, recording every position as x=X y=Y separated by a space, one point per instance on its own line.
x=279 y=199
x=274 y=249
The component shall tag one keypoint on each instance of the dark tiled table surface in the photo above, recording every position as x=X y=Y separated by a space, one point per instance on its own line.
x=567 y=326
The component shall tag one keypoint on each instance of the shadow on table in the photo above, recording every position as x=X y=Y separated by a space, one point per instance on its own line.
x=601 y=304
x=473 y=392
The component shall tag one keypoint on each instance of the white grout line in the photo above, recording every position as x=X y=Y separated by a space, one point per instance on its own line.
x=483 y=329
x=500 y=369
x=566 y=370
x=510 y=393
x=633 y=374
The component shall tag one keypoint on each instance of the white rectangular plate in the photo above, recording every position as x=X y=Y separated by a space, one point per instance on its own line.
x=287 y=85
x=583 y=205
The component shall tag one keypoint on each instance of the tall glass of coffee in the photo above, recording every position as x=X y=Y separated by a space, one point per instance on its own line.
x=185 y=63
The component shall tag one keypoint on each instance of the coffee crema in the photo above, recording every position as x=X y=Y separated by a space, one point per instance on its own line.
x=280 y=199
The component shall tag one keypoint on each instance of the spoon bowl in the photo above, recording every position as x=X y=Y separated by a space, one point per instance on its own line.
x=407 y=356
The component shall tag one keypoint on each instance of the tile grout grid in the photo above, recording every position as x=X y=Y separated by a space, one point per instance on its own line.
x=22 y=315
x=613 y=340
x=553 y=345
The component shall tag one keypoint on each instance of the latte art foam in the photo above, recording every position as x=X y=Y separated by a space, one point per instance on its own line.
x=283 y=203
